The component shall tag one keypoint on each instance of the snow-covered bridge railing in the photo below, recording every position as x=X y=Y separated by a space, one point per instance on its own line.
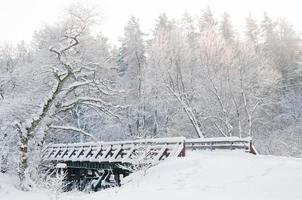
x=100 y=164
x=148 y=151
x=221 y=143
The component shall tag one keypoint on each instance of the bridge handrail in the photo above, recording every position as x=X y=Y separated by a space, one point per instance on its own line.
x=221 y=143
x=132 y=151
x=160 y=148
x=139 y=141
x=220 y=139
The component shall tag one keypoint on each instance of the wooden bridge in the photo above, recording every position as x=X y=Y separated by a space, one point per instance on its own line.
x=103 y=163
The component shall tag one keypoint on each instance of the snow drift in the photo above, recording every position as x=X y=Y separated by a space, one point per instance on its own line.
x=200 y=175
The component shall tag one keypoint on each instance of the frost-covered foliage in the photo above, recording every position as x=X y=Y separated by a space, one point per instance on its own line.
x=131 y=61
x=202 y=79
x=189 y=77
x=54 y=183
x=72 y=73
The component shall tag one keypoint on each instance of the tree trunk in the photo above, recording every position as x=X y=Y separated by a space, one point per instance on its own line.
x=4 y=156
x=26 y=133
x=23 y=137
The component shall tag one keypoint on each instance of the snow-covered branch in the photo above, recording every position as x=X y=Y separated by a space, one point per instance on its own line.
x=70 y=128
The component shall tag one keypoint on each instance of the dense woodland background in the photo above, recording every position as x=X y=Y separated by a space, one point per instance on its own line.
x=192 y=77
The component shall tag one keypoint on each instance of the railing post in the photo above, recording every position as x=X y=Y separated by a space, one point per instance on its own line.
x=252 y=148
x=183 y=151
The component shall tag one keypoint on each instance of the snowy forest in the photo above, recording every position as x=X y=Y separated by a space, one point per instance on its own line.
x=194 y=77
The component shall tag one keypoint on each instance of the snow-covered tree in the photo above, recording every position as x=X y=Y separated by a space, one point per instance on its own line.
x=131 y=60
x=78 y=79
x=226 y=28
x=252 y=31
x=207 y=20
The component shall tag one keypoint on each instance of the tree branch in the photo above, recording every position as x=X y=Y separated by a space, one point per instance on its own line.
x=70 y=128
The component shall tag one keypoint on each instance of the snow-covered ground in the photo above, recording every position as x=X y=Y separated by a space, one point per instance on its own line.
x=200 y=175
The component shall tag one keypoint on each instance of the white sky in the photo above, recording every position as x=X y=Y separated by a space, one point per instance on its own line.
x=20 y=18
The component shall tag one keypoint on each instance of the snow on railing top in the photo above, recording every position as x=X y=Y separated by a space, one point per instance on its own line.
x=139 y=141
x=222 y=143
x=220 y=139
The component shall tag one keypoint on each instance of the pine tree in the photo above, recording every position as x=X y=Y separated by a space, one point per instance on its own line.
x=207 y=20
x=252 y=31
x=226 y=28
x=287 y=49
x=131 y=60
x=267 y=34
x=163 y=24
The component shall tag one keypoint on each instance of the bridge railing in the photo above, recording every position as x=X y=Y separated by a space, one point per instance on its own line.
x=141 y=151
x=221 y=143
x=98 y=162
x=137 y=151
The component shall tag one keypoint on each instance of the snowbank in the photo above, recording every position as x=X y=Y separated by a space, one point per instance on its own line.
x=204 y=175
